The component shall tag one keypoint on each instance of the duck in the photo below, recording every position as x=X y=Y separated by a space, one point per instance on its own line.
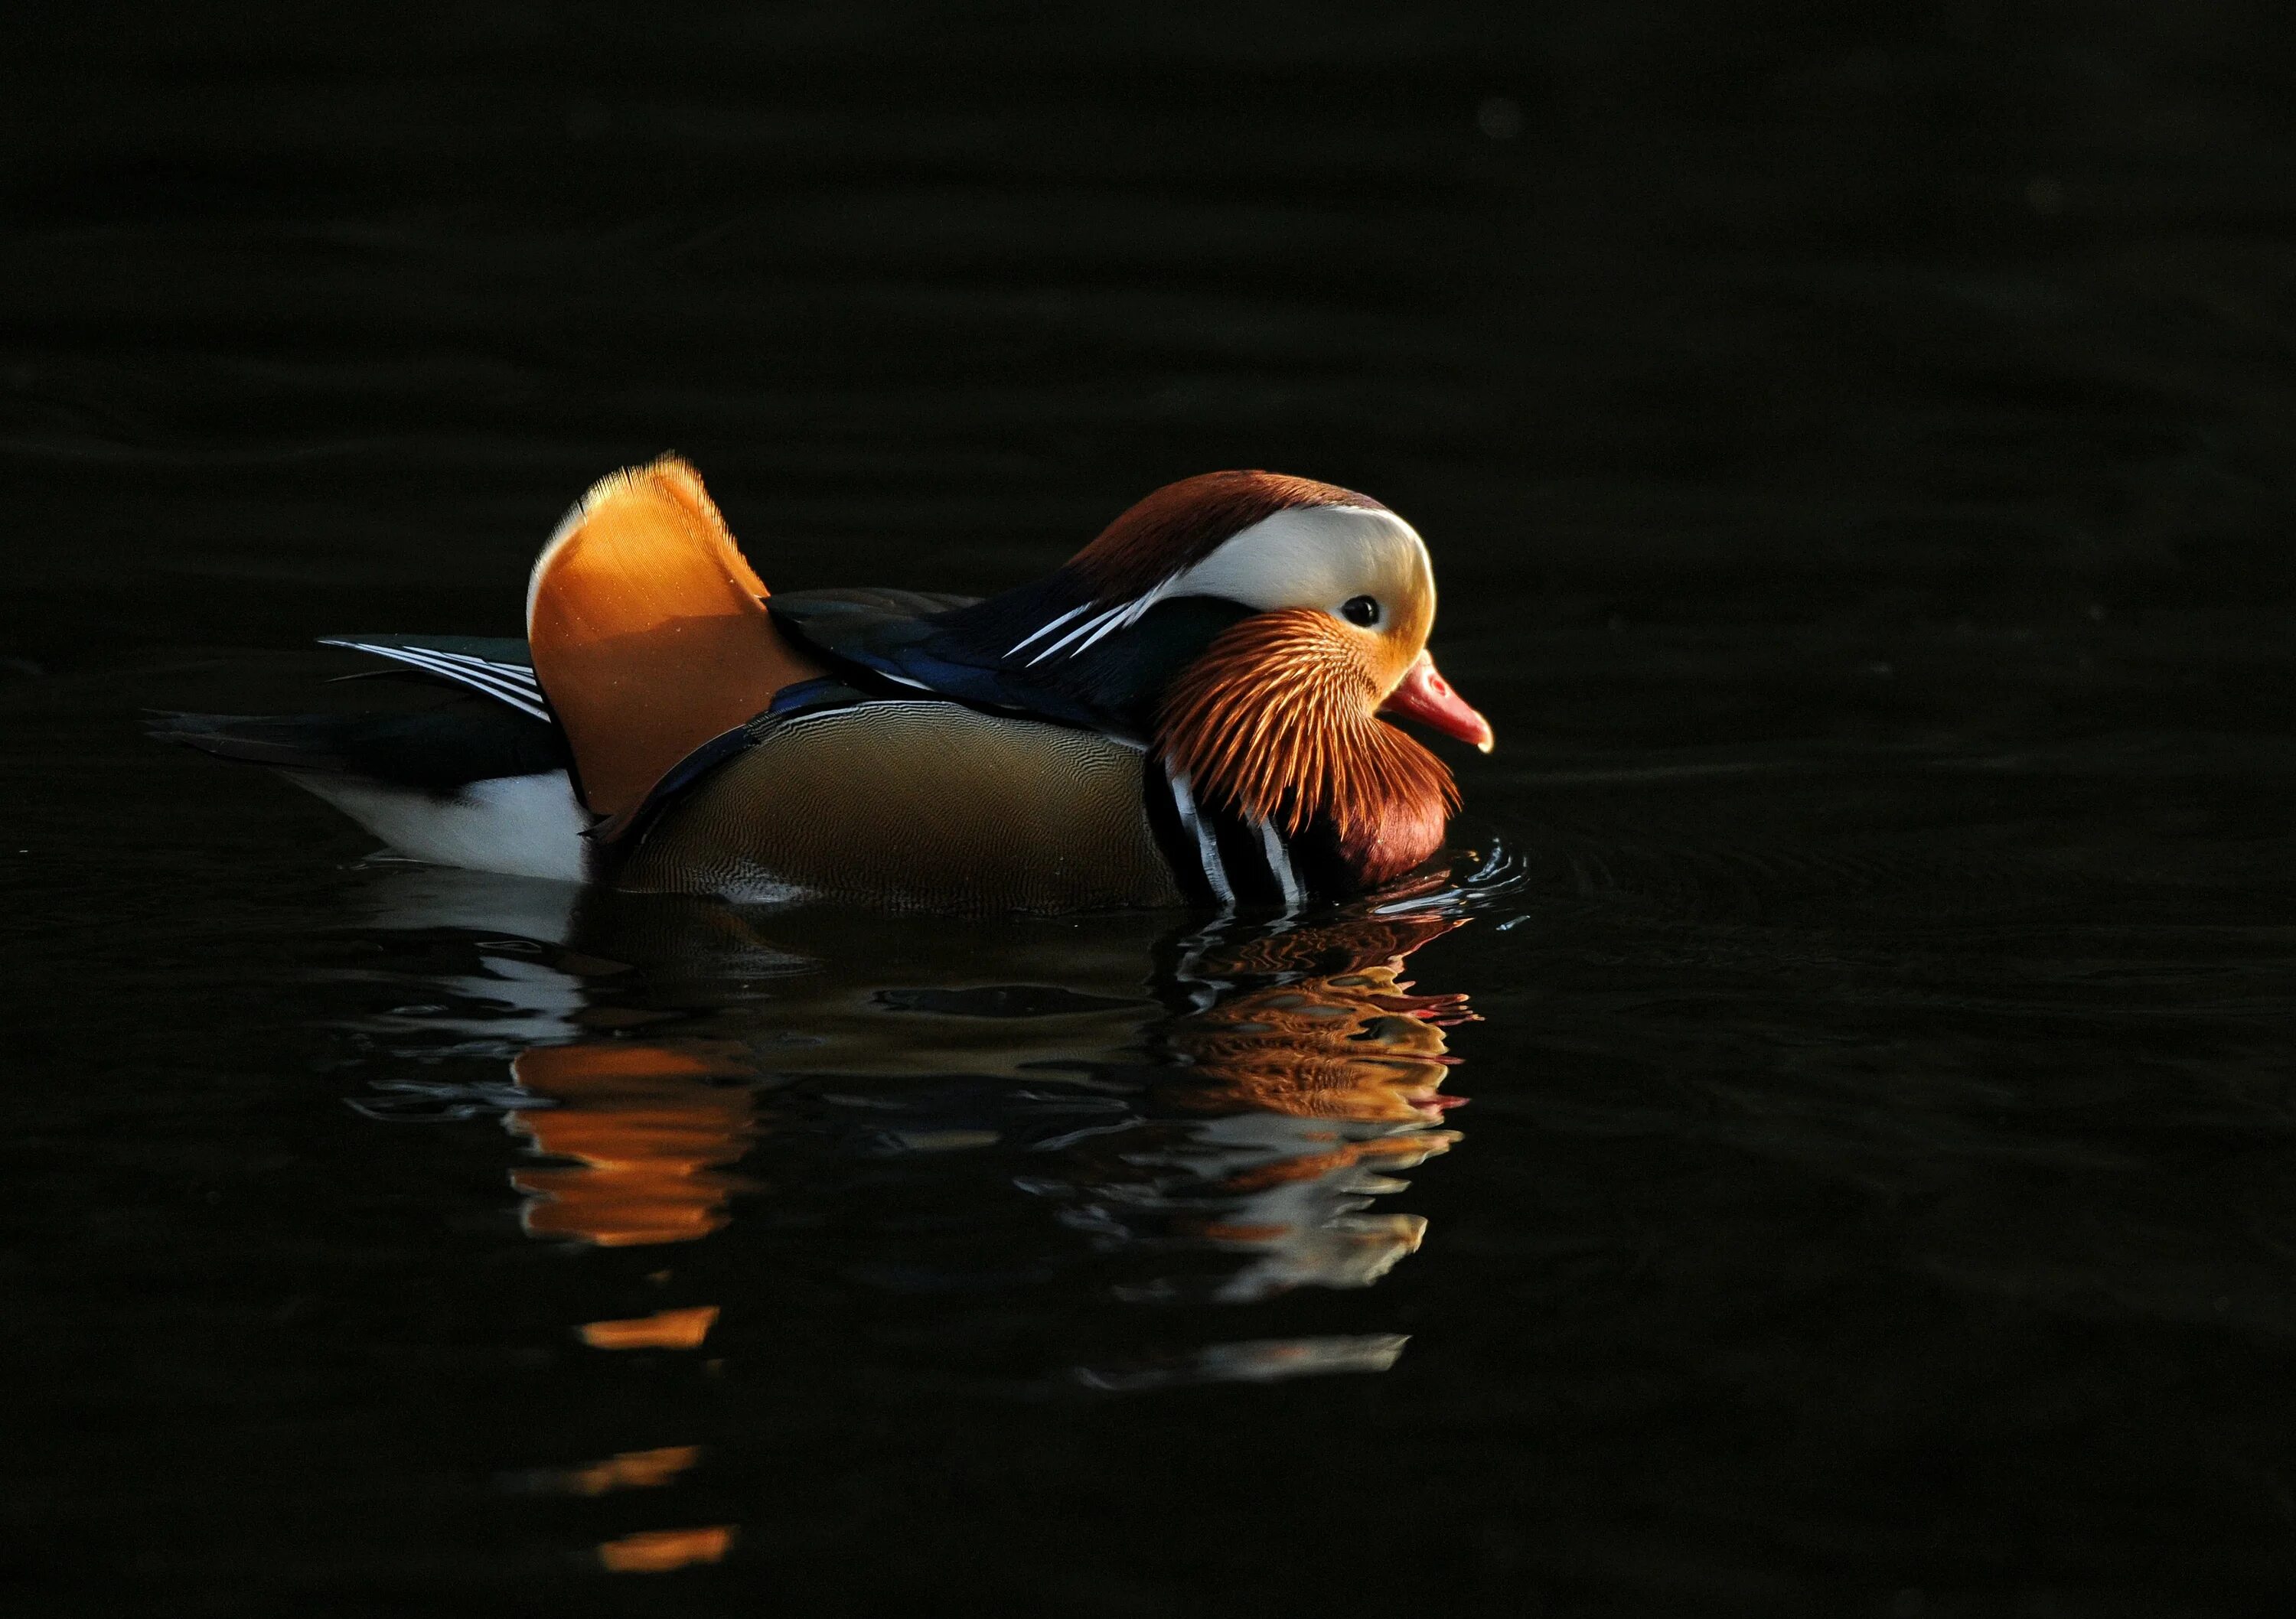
x=1198 y=708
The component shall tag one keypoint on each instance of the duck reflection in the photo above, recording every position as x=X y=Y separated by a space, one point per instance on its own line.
x=1226 y=1105
x=1213 y=1117
x=1300 y=1076
x=1321 y=1084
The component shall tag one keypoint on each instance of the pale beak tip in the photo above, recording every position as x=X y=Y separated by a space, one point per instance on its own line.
x=1425 y=695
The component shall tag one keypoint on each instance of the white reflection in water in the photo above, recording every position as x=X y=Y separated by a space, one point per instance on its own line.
x=1255 y=1361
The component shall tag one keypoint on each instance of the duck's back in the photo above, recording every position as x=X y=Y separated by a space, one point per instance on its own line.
x=921 y=805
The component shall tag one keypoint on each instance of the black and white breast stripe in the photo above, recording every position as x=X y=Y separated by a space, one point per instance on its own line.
x=507 y=683
x=1220 y=858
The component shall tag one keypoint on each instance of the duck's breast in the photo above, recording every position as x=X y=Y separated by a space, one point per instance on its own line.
x=916 y=806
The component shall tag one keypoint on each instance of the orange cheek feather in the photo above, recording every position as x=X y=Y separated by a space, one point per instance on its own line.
x=1274 y=723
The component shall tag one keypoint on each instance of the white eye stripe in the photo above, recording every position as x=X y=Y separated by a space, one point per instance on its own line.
x=1304 y=557
x=1312 y=556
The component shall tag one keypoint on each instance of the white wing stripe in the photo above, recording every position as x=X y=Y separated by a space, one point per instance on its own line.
x=1045 y=630
x=480 y=680
x=518 y=674
x=1150 y=600
x=438 y=663
x=1124 y=620
x=477 y=678
x=1100 y=621
x=1123 y=616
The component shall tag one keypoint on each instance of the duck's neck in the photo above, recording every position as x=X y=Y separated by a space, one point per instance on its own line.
x=1274 y=723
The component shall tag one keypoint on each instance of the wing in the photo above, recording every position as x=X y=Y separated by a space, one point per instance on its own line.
x=963 y=650
x=433 y=750
x=497 y=666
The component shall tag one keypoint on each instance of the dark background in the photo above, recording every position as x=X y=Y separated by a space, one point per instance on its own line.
x=1856 y=445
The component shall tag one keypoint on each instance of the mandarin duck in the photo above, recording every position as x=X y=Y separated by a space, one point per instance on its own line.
x=1193 y=710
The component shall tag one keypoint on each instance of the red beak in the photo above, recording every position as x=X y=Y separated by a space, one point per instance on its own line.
x=1427 y=696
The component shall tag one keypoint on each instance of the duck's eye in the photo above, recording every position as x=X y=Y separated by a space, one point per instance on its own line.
x=1360 y=610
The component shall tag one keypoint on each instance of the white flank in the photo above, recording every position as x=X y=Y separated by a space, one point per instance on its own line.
x=521 y=826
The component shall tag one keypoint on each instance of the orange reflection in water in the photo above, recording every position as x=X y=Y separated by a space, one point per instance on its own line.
x=627 y=1470
x=657 y=1552
x=1342 y=1040
x=1320 y=1083
x=649 y=1132
x=663 y=1329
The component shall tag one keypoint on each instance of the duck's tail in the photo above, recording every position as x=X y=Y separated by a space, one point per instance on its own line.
x=649 y=631
x=649 y=637
x=474 y=783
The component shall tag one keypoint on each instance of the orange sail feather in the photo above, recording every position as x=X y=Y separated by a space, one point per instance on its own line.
x=649 y=633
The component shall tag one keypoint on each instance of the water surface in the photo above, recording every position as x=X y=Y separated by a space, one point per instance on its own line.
x=1834 y=1153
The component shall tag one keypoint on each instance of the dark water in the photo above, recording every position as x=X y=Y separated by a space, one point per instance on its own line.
x=1856 y=449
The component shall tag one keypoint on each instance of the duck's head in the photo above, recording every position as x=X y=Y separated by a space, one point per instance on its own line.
x=1279 y=716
